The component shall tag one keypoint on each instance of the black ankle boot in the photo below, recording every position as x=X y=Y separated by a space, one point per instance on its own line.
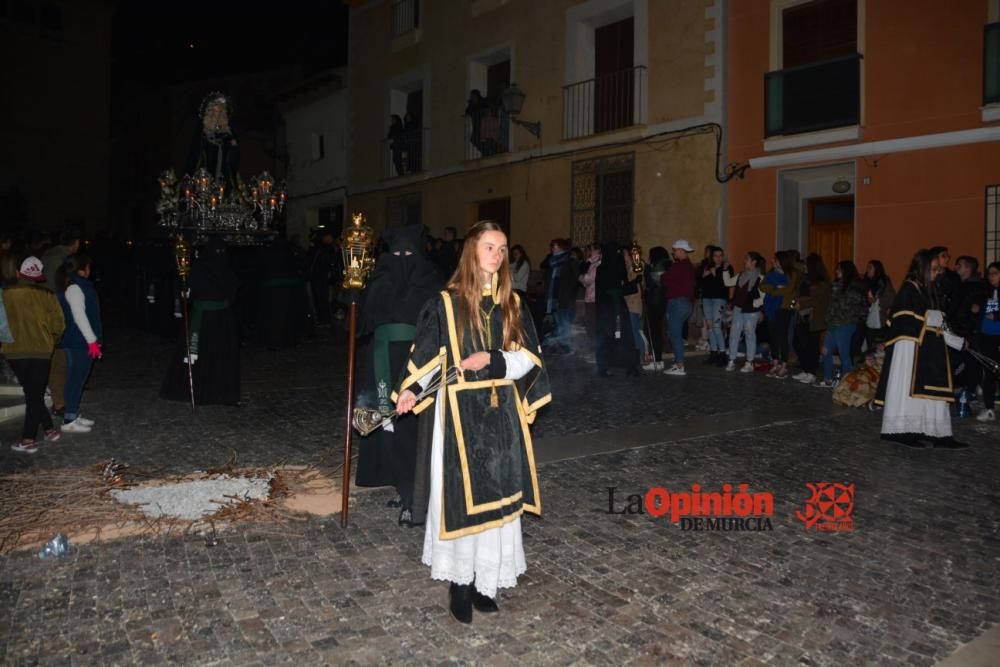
x=460 y=602
x=483 y=603
x=949 y=443
x=908 y=439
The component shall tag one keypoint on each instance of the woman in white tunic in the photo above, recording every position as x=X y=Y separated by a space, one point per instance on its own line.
x=479 y=337
x=916 y=388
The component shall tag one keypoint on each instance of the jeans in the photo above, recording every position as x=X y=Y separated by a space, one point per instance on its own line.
x=713 y=317
x=640 y=344
x=78 y=364
x=838 y=339
x=33 y=374
x=678 y=312
x=745 y=324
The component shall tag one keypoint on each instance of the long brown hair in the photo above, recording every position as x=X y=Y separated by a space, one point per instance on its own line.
x=467 y=286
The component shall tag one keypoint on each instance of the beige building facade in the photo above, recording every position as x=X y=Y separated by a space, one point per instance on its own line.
x=628 y=94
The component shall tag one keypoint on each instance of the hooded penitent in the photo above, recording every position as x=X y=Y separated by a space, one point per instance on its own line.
x=403 y=280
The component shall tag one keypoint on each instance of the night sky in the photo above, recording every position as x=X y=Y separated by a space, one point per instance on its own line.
x=158 y=43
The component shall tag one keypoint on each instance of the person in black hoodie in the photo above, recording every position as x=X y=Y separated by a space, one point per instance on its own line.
x=656 y=304
x=403 y=281
x=615 y=340
x=971 y=295
x=714 y=297
x=214 y=335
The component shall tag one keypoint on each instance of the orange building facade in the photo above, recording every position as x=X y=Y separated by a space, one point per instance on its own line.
x=871 y=128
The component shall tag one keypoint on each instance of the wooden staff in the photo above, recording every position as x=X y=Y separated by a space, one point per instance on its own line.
x=358 y=244
x=346 y=492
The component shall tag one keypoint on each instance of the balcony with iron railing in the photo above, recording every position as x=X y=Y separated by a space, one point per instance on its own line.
x=403 y=153
x=991 y=64
x=487 y=132
x=604 y=103
x=809 y=98
x=404 y=17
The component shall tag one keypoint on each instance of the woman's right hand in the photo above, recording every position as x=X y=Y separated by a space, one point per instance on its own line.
x=405 y=402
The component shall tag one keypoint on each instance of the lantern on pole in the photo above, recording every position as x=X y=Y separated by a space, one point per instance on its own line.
x=358 y=246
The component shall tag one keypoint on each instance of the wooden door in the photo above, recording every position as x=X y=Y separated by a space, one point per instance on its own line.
x=831 y=229
x=613 y=83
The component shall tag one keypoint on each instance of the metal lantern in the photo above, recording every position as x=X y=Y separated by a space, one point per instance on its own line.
x=635 y=253
x=358 y=244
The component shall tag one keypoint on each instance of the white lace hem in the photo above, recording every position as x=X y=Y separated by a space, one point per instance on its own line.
x=488 y=577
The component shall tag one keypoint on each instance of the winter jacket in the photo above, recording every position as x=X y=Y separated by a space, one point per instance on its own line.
x=846 y=305
x=777 y=285
x=36 y=321
x=818 y=301
x=713 y=285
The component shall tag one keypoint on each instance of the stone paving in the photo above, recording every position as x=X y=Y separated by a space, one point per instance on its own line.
x=914 y=580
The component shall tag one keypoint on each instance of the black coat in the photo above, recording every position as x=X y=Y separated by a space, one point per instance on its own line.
x=932 y=378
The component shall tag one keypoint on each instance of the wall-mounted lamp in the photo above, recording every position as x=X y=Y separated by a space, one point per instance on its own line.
x=513 y=100
x=841 y=186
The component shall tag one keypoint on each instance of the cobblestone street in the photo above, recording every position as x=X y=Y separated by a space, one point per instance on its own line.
x=914 y=580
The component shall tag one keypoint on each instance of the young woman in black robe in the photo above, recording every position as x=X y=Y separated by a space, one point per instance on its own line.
x=403 y=281
x=215 y=339
x=915 y=387
x=482 y=466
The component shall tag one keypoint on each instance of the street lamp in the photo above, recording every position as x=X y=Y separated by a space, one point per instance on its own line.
x=513 y=100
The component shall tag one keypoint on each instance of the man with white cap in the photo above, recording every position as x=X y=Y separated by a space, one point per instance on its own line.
x=678 y=282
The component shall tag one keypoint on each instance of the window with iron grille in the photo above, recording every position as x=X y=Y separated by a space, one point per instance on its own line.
x=602 y=200
x=992 y=253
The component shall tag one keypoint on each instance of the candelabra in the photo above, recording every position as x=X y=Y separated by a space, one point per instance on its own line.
x=203 y=206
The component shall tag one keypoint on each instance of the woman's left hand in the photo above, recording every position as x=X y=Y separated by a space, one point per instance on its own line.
x=476 y=361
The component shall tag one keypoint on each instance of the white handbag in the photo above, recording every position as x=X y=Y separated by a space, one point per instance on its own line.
x=873 y=321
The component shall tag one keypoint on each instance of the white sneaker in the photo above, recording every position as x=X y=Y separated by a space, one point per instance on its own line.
x=747 y=367
x=805 y=378
x=824 y=384
x=653 y=366
x=675 y=370
x=731 y=366
x=986 y=416
x=74 y=427
x=84 y=422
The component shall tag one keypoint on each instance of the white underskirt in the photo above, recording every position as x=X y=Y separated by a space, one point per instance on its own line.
x=903 y=413
x=493 y=558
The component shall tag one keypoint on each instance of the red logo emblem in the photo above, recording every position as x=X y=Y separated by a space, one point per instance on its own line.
x=829 y=507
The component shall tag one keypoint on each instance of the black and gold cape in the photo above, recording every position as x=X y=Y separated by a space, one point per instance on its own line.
x=489 y=464
x=932 y=376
